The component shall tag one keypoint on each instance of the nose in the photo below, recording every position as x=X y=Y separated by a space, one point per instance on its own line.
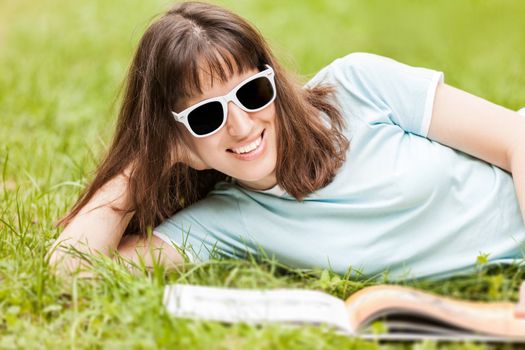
x=239 y=123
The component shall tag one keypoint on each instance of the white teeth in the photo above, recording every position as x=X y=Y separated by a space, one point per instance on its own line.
x=248 y=148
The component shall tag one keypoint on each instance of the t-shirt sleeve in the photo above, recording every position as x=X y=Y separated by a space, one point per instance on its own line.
x=390 y=91
x=205 y=229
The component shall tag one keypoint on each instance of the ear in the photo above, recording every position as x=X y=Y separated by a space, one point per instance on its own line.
x=194 y=161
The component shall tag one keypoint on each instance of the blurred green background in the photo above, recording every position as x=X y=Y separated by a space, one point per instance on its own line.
x=62 y=64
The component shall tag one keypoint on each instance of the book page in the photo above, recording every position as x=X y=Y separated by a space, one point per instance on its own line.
x=445 y=315
x=256 y=306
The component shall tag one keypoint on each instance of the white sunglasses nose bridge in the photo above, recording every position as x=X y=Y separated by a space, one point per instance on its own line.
x=232 y=97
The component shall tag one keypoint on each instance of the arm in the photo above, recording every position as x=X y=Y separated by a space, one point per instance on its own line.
x=96 y=228
x=151 y=251
x=482 y=129
x=99 y=229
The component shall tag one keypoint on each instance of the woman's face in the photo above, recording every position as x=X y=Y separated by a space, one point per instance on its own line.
x=225 y=150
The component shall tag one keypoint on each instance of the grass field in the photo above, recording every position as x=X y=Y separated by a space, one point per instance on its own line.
x=61 y=67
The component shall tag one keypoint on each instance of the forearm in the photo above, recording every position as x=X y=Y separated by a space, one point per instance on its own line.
x=97 y=227
x=517 y=164
x=149 y=251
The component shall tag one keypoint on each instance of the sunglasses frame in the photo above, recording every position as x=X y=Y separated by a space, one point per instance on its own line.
x=182 y=117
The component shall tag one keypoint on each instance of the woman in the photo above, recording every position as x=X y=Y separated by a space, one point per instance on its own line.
x=218 y=149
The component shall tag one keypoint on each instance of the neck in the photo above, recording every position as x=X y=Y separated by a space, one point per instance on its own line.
x=259 y=185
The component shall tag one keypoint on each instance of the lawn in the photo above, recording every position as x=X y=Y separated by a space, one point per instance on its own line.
x=62 y=64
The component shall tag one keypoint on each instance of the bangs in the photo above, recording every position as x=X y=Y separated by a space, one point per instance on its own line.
x=213 y=64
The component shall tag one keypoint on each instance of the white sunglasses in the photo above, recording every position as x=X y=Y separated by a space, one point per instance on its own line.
x=207 y=117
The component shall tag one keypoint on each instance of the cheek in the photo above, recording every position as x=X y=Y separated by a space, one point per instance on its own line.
x=271 y=118
x=202 y=148
x=269 y=113
x=206 y=149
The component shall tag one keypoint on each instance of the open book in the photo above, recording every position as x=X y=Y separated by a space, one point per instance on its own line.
x=405 y=313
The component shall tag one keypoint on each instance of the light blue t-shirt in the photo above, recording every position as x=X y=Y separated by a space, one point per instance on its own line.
x=400 y=203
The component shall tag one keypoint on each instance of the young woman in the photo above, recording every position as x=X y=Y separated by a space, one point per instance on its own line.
x=373 y=165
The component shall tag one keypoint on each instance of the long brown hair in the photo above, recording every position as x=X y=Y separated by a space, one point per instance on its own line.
x=189 y=38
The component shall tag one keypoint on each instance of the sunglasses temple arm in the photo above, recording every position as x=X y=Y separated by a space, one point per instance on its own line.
x=176 y=116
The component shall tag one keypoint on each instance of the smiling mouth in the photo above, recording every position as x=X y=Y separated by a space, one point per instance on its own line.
x=253 y=146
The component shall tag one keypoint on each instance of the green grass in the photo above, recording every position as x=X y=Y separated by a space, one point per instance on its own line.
x=61 y=66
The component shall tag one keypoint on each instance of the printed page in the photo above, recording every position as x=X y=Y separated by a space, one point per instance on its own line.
x=256 y=306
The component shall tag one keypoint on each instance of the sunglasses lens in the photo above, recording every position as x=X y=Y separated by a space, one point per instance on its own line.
x=256 y=93
x=206 y=118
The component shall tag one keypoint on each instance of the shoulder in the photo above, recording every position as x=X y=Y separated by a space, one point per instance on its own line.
x=369 y=76
x=356 y=72
x=355 y=60
x=359 y=60
x=369 y=70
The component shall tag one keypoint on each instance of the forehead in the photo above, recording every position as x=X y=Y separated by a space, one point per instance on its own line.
x=214 y=85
